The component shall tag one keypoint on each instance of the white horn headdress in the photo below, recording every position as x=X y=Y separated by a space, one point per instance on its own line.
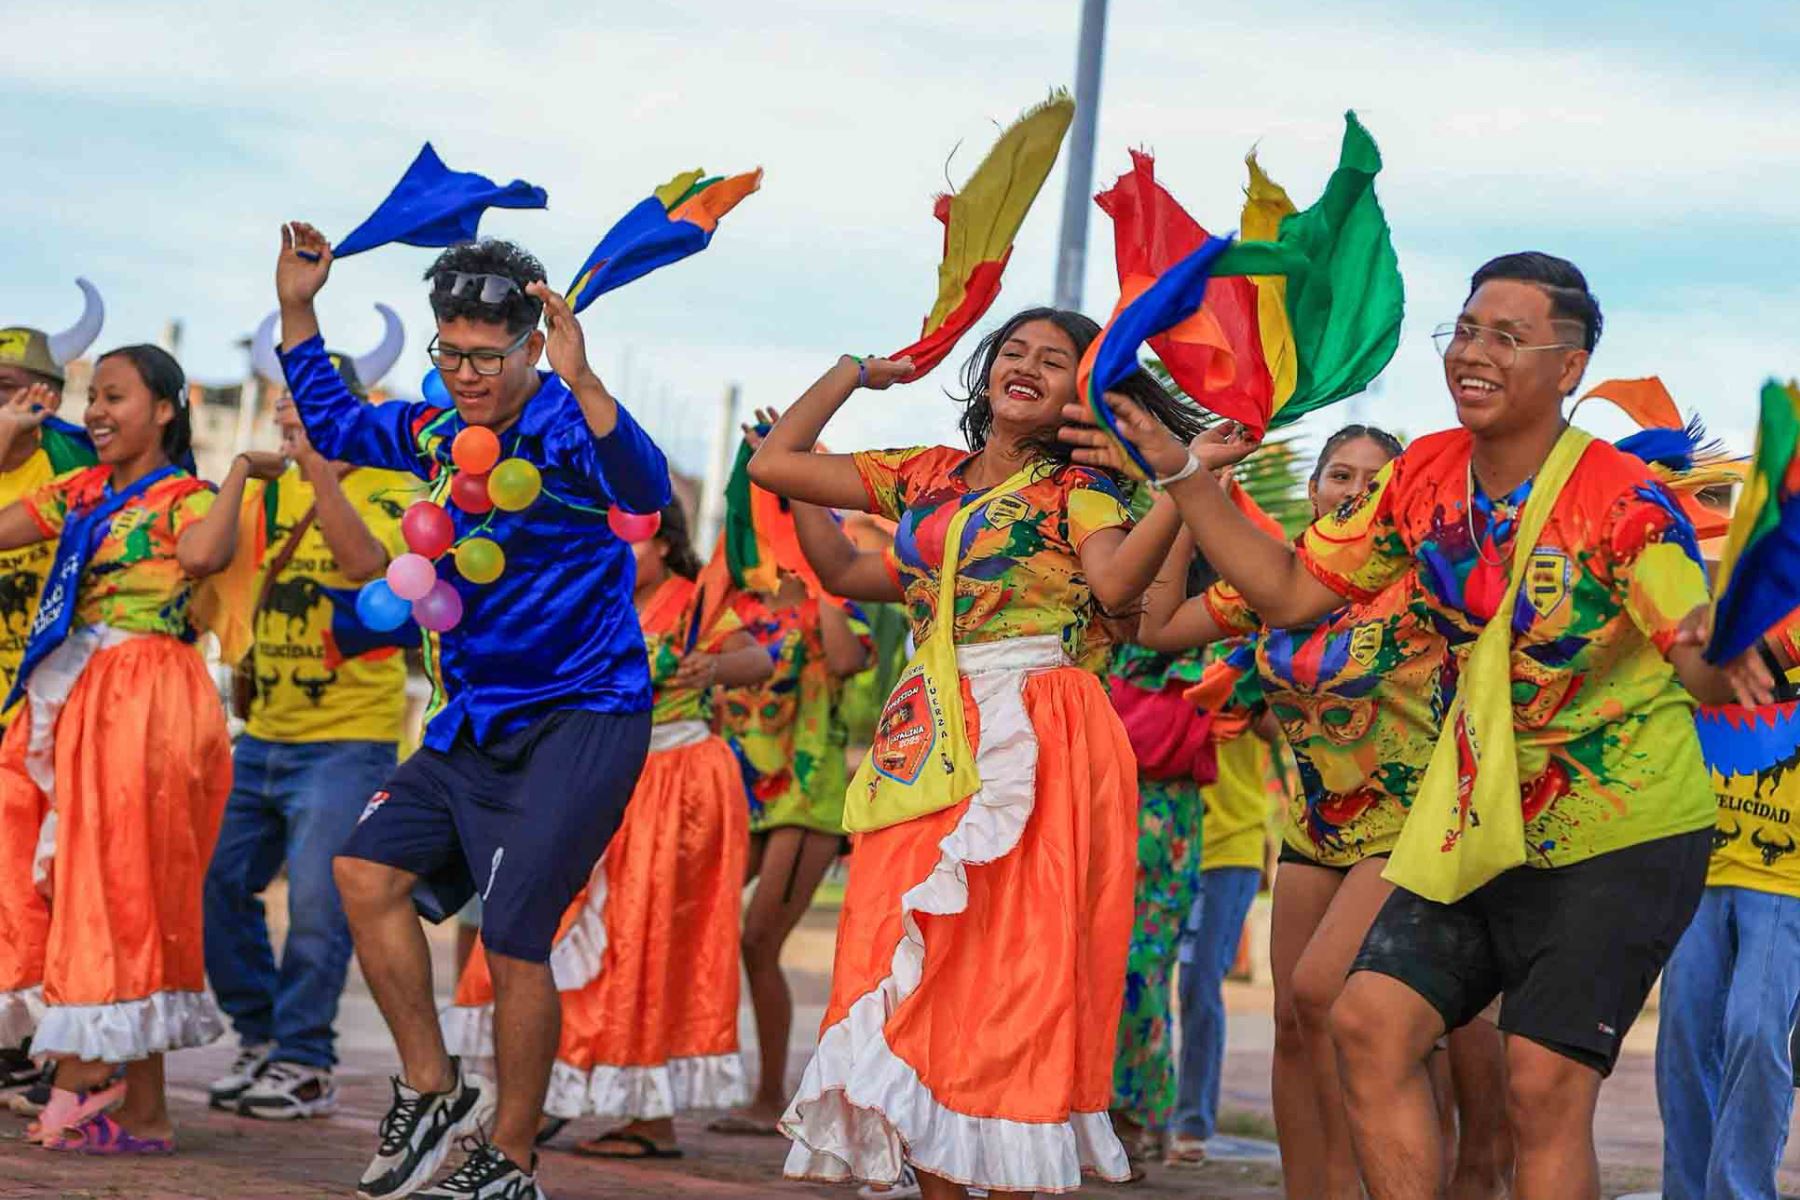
x=72 y=343
x=263 y=358
x=372 y=366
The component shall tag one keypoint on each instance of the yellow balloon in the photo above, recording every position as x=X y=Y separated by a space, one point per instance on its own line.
x=480 y=560
x=514 y=484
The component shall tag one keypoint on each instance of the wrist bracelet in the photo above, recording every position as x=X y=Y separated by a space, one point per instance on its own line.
x=1192 y=465
x=1771 y=659
x=862 y=370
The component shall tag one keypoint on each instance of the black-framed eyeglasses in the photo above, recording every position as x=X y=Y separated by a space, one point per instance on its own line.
x=485 y=362
x=487 y=289
x=1501 y=347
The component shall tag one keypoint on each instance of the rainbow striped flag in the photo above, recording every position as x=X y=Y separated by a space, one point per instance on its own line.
x=676 y=220
x=980 y=222
x=1329 y=297
x=1169 y=303
x=1759 y=575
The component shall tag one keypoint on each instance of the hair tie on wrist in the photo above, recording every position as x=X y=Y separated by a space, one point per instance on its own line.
x=1192 y=465
x=862 y=371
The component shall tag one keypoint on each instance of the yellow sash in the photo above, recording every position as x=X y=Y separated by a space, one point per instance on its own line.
x=1467 y=823
x=920 y=761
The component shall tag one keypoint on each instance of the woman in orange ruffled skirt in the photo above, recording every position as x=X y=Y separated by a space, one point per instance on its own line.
x=113 y=775
x=981 y=950
x=647 y=958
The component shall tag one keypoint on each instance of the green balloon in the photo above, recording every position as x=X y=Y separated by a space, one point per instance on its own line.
x=480 y=560
x=514 y=484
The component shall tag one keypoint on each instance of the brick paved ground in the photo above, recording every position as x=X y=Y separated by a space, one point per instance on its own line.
x=223 y=1156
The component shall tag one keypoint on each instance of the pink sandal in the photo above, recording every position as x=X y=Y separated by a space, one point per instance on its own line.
x=68 y=1109
x=101 y=1135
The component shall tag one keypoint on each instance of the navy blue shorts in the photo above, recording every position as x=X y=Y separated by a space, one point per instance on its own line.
x=520 y=822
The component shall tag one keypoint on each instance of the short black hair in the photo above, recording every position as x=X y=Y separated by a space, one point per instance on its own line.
x=165 y=379
x=489 y=256
x=679 y=541
x=1560 y=279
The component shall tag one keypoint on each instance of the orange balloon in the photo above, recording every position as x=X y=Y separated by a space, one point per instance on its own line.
x=475 y=450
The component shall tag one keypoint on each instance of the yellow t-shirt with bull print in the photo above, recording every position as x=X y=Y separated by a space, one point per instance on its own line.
x=305 y=691
x=22 y=573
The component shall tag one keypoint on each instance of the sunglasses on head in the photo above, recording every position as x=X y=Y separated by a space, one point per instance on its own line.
x=486 y=289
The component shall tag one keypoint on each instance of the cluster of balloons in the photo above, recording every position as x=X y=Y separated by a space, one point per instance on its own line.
x=412 y=587
x=483 y=481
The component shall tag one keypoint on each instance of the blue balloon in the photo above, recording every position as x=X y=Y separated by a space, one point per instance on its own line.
x=378 y=607
x=435 y=391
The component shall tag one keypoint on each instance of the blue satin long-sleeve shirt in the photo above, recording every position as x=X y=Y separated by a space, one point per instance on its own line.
x=558 y=629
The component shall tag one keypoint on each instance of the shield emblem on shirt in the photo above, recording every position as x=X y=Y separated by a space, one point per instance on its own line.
x=906 y=732
x=1546 y=580
x=1365 y=644
x=1006 y=510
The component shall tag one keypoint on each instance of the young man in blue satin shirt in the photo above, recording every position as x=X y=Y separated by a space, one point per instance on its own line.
x=540 y=717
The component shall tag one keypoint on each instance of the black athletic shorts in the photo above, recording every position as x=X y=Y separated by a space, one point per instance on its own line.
x=1572 y=950
x=520 y=822
x=1287 y=854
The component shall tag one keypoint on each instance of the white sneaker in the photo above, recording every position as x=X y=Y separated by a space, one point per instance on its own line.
x=287 y=1091
x=418 y=1131
x=227 y=1088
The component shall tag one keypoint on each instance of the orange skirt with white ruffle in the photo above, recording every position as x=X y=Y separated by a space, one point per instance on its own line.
x=101 y=872
x=981 y=955
x=647 y=956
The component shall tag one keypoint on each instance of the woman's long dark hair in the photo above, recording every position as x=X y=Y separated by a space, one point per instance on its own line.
x=166 y=381
x=678 y=541
x=977 y=422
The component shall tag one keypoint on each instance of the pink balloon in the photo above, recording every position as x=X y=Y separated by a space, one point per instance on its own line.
x=633 y=527
x=440 y=609
x=411 y=576
x=428 y=529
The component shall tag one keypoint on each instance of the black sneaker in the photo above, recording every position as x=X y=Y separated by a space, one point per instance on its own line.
x=16 y=1068
x=487 y=1174
x=418 y=1130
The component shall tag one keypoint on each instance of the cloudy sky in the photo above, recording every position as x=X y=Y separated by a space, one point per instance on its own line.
x=156 y=147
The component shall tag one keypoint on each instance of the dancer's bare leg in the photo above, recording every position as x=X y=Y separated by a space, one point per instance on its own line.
x=396 y=962
x=1318 y=980
x=1484 y=1149
x=792 y=862
x=1384 y=1032
x=1550 y=1103
x=1302 y=894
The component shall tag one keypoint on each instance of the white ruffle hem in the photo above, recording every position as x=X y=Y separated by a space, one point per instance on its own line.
x=861 y=1111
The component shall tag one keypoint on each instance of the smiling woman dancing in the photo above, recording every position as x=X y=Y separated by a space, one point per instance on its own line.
x=981 y=949
x=113 y=777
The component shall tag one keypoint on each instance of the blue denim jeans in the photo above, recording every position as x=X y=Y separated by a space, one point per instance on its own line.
x=1724 y=1078
x=294 y=803
x=1209 y=944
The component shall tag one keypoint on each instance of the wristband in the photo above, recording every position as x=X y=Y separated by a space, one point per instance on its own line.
x=1192 y=465
x=862 y=370
x=1771 y=659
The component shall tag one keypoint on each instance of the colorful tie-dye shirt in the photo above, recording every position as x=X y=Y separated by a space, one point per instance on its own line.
x=1358 y=698
x=133 y=581
x=1019 y=573
x=666 y=620
x=790 y=732
x=1608 y=757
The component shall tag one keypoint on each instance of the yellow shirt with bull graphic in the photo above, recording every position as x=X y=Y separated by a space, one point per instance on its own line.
x=304 y=691
x=22 y=573
x=1753 y=755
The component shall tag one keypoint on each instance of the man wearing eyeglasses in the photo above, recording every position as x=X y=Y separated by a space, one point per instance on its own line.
x=1605 y=667
x=540 y=717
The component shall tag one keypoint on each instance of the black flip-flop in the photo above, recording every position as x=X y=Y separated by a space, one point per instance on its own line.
x=549 y=1129
x=643 y=1147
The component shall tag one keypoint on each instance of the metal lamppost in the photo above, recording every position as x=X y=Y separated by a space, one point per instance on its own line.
x=1071 y=257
